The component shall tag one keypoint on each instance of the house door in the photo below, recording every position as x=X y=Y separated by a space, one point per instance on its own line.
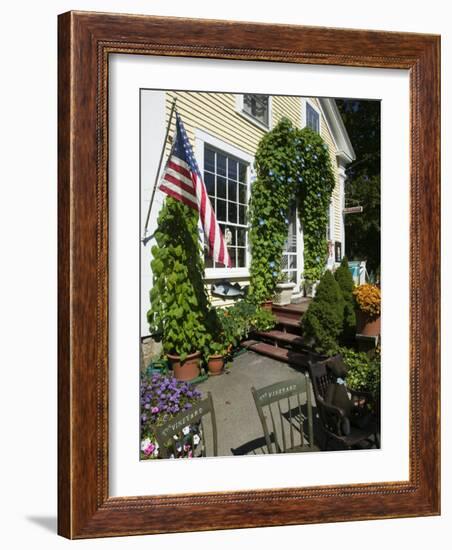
x=289 y=265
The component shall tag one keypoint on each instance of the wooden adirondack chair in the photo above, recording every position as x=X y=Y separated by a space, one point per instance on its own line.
x=285 y=412
x=351 y=424
x=194 y=417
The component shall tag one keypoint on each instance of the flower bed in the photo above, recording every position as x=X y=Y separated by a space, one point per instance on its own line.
x=161 y=398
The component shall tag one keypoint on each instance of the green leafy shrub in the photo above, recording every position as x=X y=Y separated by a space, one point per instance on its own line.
x=180 y=313
x=243 y=317
x=322 y=322
x=344 y=279
x=363 y=372
x=293 y=167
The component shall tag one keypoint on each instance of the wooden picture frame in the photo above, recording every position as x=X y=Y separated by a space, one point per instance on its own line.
x=86 y=40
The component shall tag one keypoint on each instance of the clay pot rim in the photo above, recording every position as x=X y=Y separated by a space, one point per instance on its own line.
x=194 y=355
x=221 y=356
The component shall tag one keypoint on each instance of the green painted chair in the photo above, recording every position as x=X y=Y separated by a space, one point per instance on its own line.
x=285 y=412
x=178 y=438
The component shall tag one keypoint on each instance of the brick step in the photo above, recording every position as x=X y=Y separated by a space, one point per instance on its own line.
x=280 y=354
x=287 y=321
x=292 y=310
x=278 y=336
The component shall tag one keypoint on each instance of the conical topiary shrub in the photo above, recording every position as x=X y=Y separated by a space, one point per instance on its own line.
x=345 y=281
x=322 y=322
x=180 y=313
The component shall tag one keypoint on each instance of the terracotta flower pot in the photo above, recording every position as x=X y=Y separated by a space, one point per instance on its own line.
x=215 y=364
x=367 y=325
x=267 y=305
x=188 y=369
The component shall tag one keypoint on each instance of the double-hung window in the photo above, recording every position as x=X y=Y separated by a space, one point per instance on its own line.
x=312 y=118
x=226 y=179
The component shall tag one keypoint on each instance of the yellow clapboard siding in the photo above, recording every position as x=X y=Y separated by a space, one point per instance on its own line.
x=216 y=114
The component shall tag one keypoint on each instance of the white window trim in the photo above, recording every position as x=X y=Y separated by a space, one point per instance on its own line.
x=201 y=138
x=249 y=118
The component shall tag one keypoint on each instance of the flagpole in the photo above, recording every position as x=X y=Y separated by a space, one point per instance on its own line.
x=162 y=154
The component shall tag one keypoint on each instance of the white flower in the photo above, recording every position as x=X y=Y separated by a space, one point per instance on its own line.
x=175 y=436
x=156 y=449
x=186 y=430
x=145 y=443
x=196 y=439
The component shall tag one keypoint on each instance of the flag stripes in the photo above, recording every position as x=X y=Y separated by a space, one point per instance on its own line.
x=182 y=180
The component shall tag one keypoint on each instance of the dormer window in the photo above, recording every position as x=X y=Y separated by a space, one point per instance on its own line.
x=257 y=106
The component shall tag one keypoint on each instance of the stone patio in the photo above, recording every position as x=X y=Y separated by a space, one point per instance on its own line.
x=238 y=425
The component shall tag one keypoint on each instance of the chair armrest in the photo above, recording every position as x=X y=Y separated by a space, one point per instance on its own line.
x=335 y=418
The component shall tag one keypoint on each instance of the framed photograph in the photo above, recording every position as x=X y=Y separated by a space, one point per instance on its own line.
x=248 y=275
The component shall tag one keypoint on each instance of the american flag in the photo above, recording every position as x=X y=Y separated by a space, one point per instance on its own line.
x=182 y=180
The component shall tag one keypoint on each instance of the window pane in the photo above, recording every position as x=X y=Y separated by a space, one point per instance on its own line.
x=312 y=118
x=293 y=262
x=221 y=164
x=209 y=160
x=221 y=187
x=221 y=210
x=242 y=194
x=229 y=233
x=242 y=172
x=232 y=212
x=241 y=237
x=256 y=106
x=209 y=180
x=208 y=259
x=241 y=257
x=232 y=169
x=232 y=191
x=242 y=217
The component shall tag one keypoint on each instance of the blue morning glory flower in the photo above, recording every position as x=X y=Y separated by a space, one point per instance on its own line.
x=261 y=221
x=271 y=264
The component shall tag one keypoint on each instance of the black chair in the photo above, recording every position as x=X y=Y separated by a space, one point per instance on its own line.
x=289 y=402
x=347 y=417
x=178 y=436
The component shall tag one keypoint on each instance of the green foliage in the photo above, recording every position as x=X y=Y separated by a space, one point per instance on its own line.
x=243 y=317
x=363 y=372
x=293 y=167
x=322 y=322
x=362 y=120
x=180 y=312
x=344 y=279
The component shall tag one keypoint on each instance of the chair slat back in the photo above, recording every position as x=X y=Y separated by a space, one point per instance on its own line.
x=283 y=401
x=175 y=426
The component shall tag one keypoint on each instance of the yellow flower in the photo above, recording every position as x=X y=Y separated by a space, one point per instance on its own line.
x=368 y=298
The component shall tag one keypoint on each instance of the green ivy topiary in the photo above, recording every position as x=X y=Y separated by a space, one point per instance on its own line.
x=293 y=167
x=345 y=281
x=322 y=322
x=180 y=313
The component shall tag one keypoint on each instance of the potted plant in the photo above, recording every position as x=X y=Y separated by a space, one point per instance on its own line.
x=368 y=301
x=180 y=312
x=216 y=356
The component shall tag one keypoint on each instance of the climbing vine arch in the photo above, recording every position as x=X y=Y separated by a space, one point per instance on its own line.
x=293 y=167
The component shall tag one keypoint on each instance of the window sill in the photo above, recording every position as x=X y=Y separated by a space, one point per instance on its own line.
x=212 y=274
x=254 y=121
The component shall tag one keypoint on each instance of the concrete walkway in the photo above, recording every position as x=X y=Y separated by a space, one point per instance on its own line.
x=238 y=425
